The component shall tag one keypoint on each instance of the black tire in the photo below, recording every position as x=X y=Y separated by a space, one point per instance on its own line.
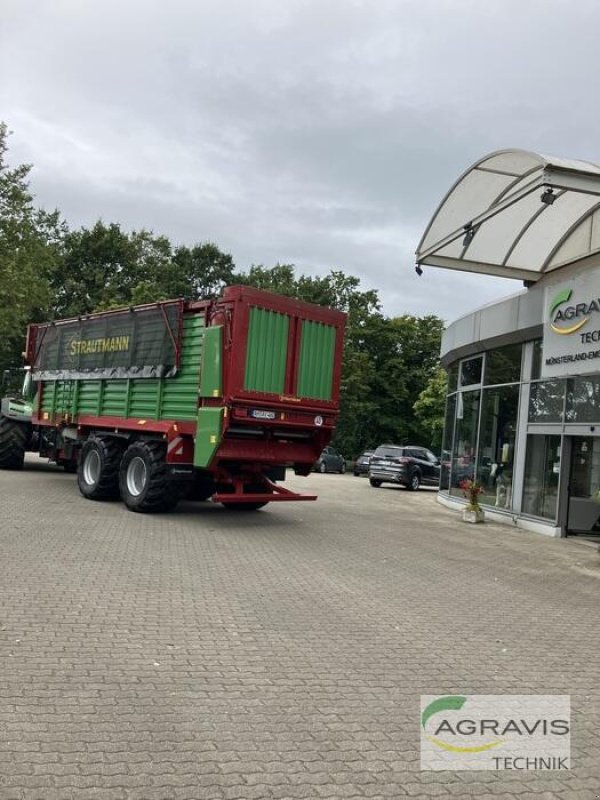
x=322 y=467
x=415 y=482
x=201 y=488
x=98 y=468
x=375 y=483
x=144 y=480
x=13 y=442
x=343 y=468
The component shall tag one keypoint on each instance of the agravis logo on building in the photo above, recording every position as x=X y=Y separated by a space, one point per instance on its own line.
x=571 y=318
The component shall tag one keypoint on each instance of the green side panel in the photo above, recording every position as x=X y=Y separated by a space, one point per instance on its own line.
x=143 y=398
x=208 y=435
x=211 y=378
x=114 y=399
x=315 y=370
x=266 y=354
x=89 y=397
x=179 y=399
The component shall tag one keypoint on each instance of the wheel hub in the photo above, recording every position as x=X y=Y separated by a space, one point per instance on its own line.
x=136 y=476
x=91 y=468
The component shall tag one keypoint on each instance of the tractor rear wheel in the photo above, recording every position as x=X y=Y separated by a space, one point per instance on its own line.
x=144 y=479
x=13 y=441
x=98 y=468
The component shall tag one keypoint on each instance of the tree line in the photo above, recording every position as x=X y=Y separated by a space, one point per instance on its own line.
x=393 y=388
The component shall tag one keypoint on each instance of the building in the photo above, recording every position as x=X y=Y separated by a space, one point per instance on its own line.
x=523 y=405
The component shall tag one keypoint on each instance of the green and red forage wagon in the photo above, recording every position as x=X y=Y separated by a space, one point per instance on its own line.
x=178 y=398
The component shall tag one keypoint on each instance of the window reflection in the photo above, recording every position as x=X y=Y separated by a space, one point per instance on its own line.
x=447 y=442
x=503 y=365
x=465 y=439
x=453 y=377
x=497 y=445
x=546 y=401
x=542 y=471
x=470 y=371
x=583 y=400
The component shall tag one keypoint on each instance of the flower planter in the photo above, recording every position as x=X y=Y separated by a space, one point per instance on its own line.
x=473 y=515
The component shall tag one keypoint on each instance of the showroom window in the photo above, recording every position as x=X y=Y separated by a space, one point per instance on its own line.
x=583 y=400
x=497 y=435
x=453 y=377
x=465 y=439
x=542 y=471
x=503 y=365
x=470 y=371
x=546 y=400
x=446 y=456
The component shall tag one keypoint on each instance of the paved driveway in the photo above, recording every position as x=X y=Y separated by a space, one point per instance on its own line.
x=280 y=654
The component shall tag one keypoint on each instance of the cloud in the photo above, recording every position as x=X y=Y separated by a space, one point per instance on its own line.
x=323 y=134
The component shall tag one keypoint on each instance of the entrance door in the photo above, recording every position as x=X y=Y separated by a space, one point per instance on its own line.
x=584 y=486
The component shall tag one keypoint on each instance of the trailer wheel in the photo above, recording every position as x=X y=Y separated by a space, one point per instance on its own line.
x=13 y=441
x=98 y=468
x=144 y=481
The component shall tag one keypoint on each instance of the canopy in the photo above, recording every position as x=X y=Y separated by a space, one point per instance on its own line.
x=516 y=214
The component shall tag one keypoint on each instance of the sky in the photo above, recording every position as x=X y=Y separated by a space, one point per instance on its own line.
x=322 y=133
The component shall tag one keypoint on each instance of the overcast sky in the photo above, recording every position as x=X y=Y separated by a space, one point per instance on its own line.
x=320 y=133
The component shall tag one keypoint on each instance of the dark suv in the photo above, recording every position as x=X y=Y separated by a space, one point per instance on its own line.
x=407 y=465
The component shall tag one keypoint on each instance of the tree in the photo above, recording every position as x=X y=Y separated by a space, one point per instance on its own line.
x=430 y=408
x=98 y=270
x=201 y=272
x=30 y=246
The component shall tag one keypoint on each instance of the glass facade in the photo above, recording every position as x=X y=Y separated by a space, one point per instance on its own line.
x=497 y=440
x=542 y=472
x=583 y=400
x=470 y=371
x=547 y=400
x=494 y=408
x=465 y=439
x=481 y=424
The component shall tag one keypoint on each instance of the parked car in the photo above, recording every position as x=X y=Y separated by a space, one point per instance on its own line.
x=330 y=461
x=361 y=466
x=407 y=465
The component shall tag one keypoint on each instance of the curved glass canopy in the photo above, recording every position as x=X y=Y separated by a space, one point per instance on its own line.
x=516 y=214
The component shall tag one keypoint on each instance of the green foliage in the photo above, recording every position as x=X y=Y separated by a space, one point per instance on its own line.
x=30 y=245
x=430 y=408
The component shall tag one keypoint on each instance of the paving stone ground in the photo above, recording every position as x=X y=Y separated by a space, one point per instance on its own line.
x=279 y=654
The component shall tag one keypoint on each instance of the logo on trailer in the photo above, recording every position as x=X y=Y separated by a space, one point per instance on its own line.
x=318 y=421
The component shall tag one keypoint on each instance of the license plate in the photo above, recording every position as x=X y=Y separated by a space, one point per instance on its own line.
x=258 y=413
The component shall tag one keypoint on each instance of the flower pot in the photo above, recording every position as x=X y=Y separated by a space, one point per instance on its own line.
x=473 y=515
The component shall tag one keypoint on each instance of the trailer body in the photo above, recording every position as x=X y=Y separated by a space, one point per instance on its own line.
x=226 y=393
